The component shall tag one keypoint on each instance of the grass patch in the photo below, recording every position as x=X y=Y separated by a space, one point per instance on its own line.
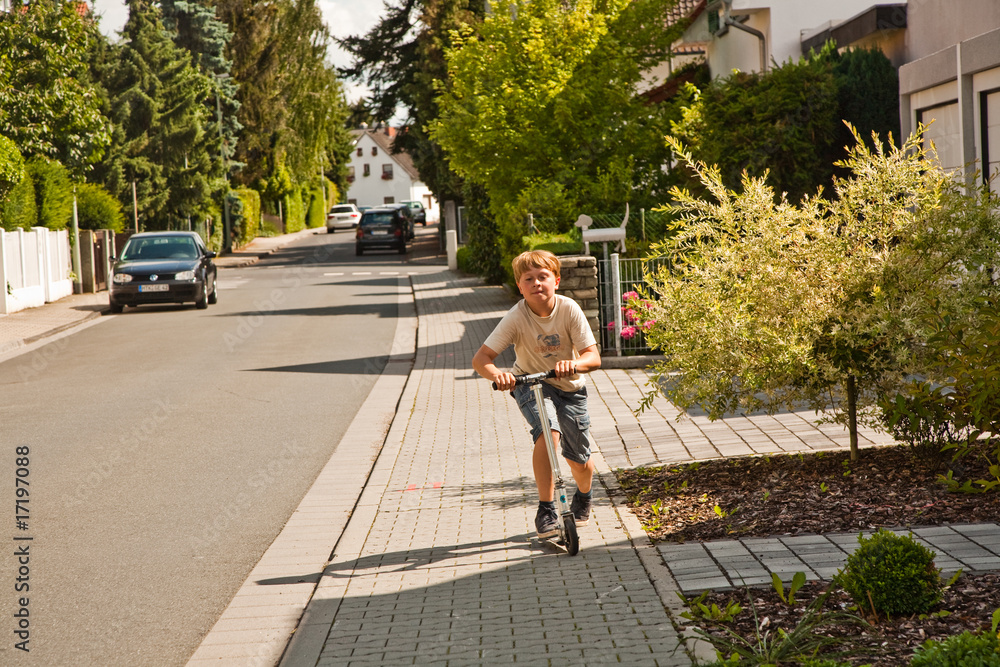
x=557 y=244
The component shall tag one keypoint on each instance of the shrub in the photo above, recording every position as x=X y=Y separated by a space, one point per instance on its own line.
x=964 y=650
x=891 y=574
x=248 y=225
x=316 y=207
x=464 y=257
x=53 y=193
x=11 y=166
x=19 y=208
x=295 y=211
x=96 y=208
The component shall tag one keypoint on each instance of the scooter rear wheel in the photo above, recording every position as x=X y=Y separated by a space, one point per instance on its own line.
x=570 y=536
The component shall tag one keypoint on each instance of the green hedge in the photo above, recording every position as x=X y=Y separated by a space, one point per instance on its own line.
x=53 y=193
x=295 y=211
x=19 y=208
x=316 y=207
x=246 y=228
x=96 y=208
x=11 y=166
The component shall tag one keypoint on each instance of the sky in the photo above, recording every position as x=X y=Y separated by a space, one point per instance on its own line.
x=343 y=17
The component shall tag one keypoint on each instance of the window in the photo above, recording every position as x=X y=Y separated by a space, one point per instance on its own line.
x=366 y=170
x=361 y=151
x=350 y=174
x=386 y=172
x=945 y=133
x=389 y=200
x=374 y=150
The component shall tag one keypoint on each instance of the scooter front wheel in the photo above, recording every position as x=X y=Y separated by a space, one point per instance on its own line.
x=570 y=536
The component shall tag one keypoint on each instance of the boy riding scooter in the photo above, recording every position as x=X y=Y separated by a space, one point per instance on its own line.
x=549 y=332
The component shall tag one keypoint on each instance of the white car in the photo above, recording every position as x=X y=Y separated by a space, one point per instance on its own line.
x=342 y=216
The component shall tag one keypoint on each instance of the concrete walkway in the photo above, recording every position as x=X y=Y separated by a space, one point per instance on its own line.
x=428 y=556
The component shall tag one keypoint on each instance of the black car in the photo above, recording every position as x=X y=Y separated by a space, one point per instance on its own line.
x=418 y=211
x=385 y=227
x=163 y=267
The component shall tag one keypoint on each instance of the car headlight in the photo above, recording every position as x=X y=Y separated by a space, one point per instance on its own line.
x=122 y=278
x=185 y=275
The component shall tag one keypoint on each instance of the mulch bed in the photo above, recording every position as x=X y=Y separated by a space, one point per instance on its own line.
x=891 y=487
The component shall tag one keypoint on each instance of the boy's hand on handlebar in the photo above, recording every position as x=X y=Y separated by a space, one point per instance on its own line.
x=504 y=381
x=565 y=368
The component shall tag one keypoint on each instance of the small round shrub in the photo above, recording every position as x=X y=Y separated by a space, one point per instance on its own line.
x=964 y=650
x=892 y=573
x=96 y=208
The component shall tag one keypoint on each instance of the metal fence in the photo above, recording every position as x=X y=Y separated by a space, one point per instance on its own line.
x=617 y=276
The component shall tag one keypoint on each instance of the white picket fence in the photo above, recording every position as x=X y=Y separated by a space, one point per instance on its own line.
x=34 y=268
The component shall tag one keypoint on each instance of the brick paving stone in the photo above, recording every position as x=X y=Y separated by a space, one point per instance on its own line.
x=478 y=526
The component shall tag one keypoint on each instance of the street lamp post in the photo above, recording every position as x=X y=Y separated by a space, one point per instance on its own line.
x=226 y=237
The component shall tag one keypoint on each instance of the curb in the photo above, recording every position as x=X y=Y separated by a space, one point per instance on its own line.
x=701 y=651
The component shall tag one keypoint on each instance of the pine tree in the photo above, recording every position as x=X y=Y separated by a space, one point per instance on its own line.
x=194 y=27
x=159 y=110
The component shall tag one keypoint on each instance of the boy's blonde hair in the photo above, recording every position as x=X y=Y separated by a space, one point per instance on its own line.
x=535 y=259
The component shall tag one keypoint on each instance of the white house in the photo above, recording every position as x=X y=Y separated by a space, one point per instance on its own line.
x=376 y=176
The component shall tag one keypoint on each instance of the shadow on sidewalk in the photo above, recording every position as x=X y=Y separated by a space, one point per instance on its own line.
x=493 y=602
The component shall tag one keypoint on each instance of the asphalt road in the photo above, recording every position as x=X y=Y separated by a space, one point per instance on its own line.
x=167 y=446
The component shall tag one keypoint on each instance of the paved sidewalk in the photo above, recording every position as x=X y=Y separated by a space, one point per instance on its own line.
x=439 y=564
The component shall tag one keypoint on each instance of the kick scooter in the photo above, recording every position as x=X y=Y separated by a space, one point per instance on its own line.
x=567 y=523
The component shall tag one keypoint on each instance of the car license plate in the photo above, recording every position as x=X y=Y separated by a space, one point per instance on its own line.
x=379 y=232
x=154 y=288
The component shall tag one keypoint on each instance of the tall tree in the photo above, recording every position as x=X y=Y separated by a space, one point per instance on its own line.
x=401 y=59
x=160 y=114
x=194 y=27
x=49 y=105
x=292 y=105
x=540 y=108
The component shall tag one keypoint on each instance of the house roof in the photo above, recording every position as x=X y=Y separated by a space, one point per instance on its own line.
x=684 y=9
x=384 y=138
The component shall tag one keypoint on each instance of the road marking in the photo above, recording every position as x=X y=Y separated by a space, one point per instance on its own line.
x=334 y=274
x=229 y=283
x=388 y=273
x=361 y=273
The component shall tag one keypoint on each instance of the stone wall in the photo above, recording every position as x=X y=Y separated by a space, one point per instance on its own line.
x=579 y=282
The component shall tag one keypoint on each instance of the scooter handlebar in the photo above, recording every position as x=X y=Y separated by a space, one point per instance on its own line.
x=533 y=378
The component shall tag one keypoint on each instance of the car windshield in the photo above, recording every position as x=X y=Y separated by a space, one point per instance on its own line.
x=377 y=219
x=160 y=247
x=342 y=209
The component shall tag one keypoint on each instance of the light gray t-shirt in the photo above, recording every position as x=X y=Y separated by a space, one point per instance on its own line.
x=539 y=342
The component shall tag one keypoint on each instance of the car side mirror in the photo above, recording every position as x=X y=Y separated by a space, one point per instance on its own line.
x=211 y=254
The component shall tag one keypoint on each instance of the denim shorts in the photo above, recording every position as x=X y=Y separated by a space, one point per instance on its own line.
x=567 y=413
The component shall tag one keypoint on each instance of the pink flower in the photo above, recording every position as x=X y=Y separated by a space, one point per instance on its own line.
x=611 y=326
x=628 y=332
x=646 y=326
x=630 y=295
x=630 y=315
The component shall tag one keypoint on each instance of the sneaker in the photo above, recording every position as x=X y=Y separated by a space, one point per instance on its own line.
x=546 y=522
x=580 y=508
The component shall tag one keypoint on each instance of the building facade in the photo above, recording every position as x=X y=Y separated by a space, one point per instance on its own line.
x=376 y=176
